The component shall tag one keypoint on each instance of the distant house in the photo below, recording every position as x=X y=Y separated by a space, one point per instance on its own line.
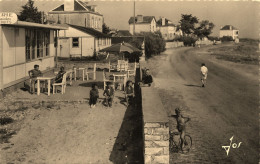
x=121 y=33
x=142 y=24
x=80 y=41
x=22 y=45
x=168 y=29
x=78 y=13
x=229 y=30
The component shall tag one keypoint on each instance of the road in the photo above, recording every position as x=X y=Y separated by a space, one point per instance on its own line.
x=226 y=107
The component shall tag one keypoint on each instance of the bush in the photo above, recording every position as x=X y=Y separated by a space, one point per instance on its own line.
x=187 y=40
x=154 y=43
x=226 y=39
x=212 y=38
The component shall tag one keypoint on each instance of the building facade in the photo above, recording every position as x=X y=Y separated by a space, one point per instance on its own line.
x=168 y=29
x=78 y=13
x=22 y=45
x=80 y=41
x=142 y=24
x=229 y=30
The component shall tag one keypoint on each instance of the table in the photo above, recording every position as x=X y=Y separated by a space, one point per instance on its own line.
x=120 y=75
x=44 y=79
x=83 y=73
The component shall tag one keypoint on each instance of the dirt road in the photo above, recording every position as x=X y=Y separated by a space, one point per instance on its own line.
x=226 y=107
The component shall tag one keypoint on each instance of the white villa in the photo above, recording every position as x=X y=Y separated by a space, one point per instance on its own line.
x=78 y=13
x=142 y=24
x=229 y=30
x=168 y=29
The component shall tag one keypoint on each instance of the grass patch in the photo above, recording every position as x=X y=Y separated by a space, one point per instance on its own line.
x=6 y=120
x=244 y=52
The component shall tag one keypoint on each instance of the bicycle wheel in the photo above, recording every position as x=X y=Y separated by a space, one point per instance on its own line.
x=187 y=143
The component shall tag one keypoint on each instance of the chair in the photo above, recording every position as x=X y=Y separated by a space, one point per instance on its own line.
x=131 y=72
x=62 y=84
x=111 y=66
x=105 y=80
x=122 y=65
x=92 y=72
x=120 y=83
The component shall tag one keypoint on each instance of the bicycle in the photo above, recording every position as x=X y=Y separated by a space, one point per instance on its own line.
x=177 y=145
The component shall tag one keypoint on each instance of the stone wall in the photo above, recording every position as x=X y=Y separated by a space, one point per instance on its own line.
x=174 y=44
x=155 y=126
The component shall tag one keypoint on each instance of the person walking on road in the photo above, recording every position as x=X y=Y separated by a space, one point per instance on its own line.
x=204 y=73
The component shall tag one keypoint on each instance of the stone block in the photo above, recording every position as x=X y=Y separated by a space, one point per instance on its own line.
x=162 y=143
x=152 y=125
x=148 y=144
x=161 y=159
x=147 y=159
x=164 y=137
x=154 y=151
x=152 y=138
x=161 y=131
x=166 y=150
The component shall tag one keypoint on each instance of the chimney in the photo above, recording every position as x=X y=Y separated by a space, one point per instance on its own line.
x=140 y=18
x=163 y=21
x=230 y=27
x=68 y=5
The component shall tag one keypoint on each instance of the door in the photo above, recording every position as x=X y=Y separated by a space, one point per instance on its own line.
x=64 y=47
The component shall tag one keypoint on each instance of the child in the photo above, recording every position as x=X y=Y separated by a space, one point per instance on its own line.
x=181 y=124
x=59 y=76
x=147 y=78
x=94 y=95
x=109 y=95
x=34 y=73
x=129 y=93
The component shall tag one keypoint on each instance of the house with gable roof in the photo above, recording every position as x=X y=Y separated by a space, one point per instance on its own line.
x=142 y=24
x=168 y=29
x=78 y=13
x=229 y=30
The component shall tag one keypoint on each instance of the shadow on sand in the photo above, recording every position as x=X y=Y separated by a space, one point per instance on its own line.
x=191 y=85
x=128 y=147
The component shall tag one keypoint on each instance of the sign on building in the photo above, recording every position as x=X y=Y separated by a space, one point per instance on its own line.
x=8 y=18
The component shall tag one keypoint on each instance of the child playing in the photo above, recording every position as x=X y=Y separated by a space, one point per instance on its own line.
x=109 y=95
x=129 y=93
x=181 y=124
x=34 y=73
x=94 y=95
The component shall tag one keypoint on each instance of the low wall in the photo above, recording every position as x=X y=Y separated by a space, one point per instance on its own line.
x=174 y=44
x=155 y=126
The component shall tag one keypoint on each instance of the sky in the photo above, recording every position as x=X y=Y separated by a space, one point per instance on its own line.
x=244 y=15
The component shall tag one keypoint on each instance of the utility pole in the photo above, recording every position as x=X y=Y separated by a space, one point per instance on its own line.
x=134 y=20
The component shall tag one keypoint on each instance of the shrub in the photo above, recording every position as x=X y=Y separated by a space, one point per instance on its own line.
x=154 y=43
x=226 y=39
x=188 y=40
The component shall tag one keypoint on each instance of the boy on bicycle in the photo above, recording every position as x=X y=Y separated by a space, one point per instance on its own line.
x=181 y=124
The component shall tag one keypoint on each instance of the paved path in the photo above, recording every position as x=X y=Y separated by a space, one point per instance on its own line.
x=226 y=107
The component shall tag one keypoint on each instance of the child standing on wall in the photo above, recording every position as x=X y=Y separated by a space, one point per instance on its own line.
x=94 y=95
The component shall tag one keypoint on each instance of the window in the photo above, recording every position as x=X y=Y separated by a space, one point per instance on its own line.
x=47 y=43
x=104 y=41
x=75 y=42
x=37 y=43
x=40 y=43
x=237 y=32
x=99 y=41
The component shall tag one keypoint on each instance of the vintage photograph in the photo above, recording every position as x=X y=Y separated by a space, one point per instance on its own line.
x=129 y=82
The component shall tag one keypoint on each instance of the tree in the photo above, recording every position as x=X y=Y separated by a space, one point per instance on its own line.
x=105 y=29
x=30 y=13
x=188 y=23
x=154 y=43
x=204 y=29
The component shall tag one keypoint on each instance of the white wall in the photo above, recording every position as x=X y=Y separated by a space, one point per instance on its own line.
x=231 y=33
